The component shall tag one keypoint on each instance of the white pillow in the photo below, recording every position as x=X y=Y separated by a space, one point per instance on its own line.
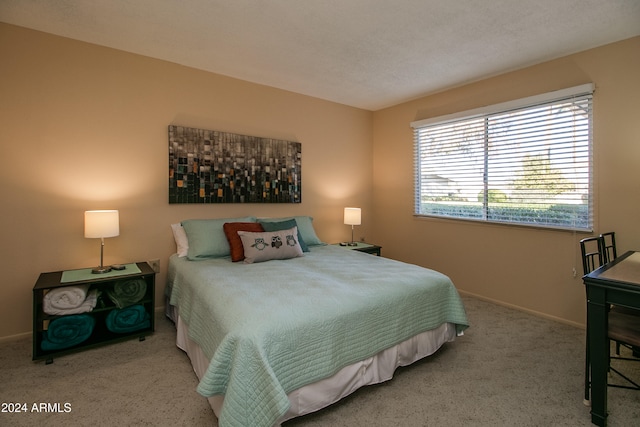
x=268 y=245
x=182 y=243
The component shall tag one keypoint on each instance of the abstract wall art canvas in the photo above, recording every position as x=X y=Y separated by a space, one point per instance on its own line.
x=208 y=166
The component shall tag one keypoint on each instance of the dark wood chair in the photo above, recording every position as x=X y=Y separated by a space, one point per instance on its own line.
x=591 y=248
x=624 y=323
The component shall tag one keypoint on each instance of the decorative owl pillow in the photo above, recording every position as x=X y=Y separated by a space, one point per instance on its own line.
x=265 y=246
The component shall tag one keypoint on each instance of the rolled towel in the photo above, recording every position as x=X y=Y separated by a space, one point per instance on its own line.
x=67 y=331
x=128 y=319
x=69 y=300
x=127 y=292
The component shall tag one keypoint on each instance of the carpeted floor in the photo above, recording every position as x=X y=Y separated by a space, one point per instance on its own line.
x=510 y=368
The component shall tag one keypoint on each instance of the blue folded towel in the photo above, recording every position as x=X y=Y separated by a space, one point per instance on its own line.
x=67 y=331
x=128 y=319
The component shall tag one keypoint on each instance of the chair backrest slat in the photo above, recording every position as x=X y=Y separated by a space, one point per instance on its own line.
x=609 y=252
x=592 y=253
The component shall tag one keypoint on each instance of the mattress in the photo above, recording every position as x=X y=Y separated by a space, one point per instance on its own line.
x=268 y=330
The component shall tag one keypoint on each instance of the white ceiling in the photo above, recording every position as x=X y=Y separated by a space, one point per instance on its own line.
x=369 y=54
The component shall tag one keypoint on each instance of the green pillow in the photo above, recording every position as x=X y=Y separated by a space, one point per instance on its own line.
x=207 y=239
x=305 y=228
x=285 y=225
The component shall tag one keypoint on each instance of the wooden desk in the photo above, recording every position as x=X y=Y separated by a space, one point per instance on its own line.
x=615 y=283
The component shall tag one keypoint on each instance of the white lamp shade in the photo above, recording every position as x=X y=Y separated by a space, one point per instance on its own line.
x=352 y=216
x=98 y=224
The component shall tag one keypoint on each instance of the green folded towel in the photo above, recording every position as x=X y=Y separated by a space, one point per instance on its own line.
x=67 y=331
x=128 y=319
x=127 y=292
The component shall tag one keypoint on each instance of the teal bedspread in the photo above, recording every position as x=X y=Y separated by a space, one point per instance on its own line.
x=272 y=327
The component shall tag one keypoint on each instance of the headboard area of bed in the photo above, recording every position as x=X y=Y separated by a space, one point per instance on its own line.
x=198 y=239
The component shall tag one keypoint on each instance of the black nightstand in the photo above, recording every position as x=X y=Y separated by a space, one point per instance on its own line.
x=363 y=247
x=98 y=326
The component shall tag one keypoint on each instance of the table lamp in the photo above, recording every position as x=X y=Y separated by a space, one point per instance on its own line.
x=352 y=217
x=101 y=224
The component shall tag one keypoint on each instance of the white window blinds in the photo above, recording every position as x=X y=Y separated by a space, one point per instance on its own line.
x=525 y=162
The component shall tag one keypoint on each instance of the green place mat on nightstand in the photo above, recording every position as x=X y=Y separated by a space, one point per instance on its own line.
x=86 y=274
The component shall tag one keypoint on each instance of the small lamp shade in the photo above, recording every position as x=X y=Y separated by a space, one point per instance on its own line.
x=99 y=224
x=352 y=216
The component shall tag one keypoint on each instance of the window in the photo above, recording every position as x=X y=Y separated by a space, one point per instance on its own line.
x=524 y=162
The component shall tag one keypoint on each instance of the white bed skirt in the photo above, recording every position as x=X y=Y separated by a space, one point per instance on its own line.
x=323 y=393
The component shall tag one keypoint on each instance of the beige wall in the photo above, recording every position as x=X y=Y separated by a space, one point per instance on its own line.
x=85 y=127
x=523 y=267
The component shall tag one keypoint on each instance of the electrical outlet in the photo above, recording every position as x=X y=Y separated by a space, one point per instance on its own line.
x=155 y=265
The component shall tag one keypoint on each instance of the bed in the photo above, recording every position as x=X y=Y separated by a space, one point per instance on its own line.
x=281 y=338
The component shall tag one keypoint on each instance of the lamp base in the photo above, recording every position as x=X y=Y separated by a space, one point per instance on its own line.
x=100 y=270
x=352 y=243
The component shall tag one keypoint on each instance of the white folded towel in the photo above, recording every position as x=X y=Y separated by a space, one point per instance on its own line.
x=69 y=300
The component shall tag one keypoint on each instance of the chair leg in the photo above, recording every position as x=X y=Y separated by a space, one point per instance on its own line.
x=587 y=373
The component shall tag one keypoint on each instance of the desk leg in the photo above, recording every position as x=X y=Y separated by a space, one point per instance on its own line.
x=599 y=350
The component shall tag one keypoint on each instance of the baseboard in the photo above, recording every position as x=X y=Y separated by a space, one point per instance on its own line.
x=526 y=310
x=160 y=310
x=11 y=338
